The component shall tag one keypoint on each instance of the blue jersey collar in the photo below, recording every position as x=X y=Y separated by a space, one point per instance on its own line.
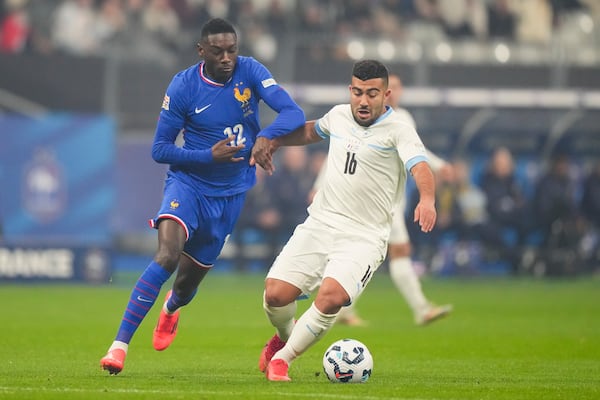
x=206 y=79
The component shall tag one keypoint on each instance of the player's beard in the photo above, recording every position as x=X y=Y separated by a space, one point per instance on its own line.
x=362 y=121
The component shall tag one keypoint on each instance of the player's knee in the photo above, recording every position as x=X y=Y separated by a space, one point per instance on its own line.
x=276 y=298
x=331 y=298
x=279 y=294
x=398 y=250
x=167 y=259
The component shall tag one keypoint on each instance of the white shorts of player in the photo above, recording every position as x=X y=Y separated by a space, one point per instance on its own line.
x=316 y=251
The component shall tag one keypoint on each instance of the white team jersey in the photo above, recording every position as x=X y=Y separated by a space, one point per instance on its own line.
x=435 y=162
x=366 y=171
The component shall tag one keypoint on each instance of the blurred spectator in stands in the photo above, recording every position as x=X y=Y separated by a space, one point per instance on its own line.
x=189 y=13
x=501 y=20
x=218 y=8
x=259 y=41
x=386 y=19
x=555 y=205
x=314 y=20
x=590 y=208
x=426 y=9
x=111 y=22
x=276 y=17
x=448 y=211
x=355 y=17
x=14 y=27
x=73 y=29
x=558 y=217
x=506 y=204
x=590 y=201
x=593 y=7
x=40 y=36
x=534 y=21
x=471 y=202
x=463 y=18
x=475 y=225
x=259 y=223
x=292 y=185
x=405 y=9
x=162 y=22
x=133 y=13
x=244 y=15
x=137 y=42
x=566 y=6
x=313 y=17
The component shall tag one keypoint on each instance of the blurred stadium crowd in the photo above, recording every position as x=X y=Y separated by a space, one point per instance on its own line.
x=163 y=29
x=497 y=211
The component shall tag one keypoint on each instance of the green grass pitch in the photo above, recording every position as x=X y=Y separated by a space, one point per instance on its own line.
x=507 y=339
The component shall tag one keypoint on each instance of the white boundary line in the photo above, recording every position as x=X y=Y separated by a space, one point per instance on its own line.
x=226 y=394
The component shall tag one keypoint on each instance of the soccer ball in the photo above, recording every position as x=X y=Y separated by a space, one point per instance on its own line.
x=347 y=361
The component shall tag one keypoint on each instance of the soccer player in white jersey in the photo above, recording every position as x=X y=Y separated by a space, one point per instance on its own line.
x=399 y=248
x=344 y=239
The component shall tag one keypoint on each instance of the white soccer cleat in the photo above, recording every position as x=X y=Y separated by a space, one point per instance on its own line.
x=433 y=313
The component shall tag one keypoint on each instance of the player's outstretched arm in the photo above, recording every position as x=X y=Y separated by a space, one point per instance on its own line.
x=263 y=150
x=425 y=213
x=306 y=134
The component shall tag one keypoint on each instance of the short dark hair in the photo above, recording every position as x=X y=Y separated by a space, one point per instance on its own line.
x=370 y=69
x=215 y=26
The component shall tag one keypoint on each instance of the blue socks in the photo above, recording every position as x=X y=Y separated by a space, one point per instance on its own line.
x=175 y=302
x=142 y=299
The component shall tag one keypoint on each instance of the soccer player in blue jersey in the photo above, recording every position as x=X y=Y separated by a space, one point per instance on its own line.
x=215 y=103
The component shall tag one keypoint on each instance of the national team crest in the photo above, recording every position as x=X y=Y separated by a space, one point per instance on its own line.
x=352 y=144
x=243 y=95
x=44 y=187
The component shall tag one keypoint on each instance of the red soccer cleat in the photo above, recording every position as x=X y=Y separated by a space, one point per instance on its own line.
x=166 y=328
x=113 y=361
x=272 y=347
x=277 y=370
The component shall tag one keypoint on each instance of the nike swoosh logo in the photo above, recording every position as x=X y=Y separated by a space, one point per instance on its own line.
x=145 y=300
x=199 y=110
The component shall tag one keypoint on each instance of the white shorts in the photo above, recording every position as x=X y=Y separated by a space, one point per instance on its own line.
x=399 y=233
x=316 y=251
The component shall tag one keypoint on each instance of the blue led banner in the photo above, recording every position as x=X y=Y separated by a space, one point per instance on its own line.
x=57 y=197
x=57 y=179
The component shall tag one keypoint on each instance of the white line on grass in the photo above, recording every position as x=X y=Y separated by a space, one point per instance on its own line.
x=15 y=390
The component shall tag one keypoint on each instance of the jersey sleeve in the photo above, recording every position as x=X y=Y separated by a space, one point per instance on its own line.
x=410 y=147
x=289 y=115
x=170 y=122
x=322 y=126
x=175 y=103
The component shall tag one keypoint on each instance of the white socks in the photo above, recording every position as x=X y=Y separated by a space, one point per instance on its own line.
x=118 y=345
x=282 y=318
x=407 y=282
x=311 y=326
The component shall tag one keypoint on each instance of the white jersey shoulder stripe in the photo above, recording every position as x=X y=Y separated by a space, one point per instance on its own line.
x=374 y=146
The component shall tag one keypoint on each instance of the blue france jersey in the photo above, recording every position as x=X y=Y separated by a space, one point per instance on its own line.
x=209 y=111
